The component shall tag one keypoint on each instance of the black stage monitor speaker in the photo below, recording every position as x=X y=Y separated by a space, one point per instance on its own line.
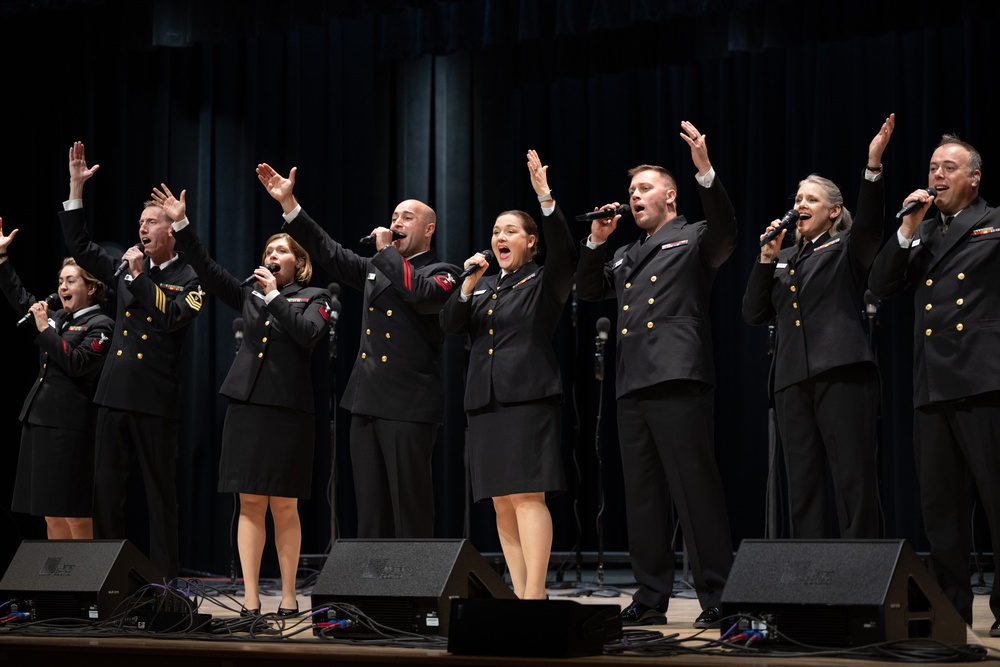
x=406 y=585
x=532 y=628
x=85 y=579
x=836 y=593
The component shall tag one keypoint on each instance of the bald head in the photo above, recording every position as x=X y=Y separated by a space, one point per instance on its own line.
x=418 y=221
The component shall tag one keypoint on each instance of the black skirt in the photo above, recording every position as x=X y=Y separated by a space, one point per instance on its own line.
x=267 y=451
x=516 y=448
x=55 y=472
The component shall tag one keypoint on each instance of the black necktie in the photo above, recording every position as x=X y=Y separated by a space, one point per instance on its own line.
x=944 y=225
x=153 y=272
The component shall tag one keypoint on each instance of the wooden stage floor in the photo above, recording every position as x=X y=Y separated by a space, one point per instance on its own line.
x=291 y=641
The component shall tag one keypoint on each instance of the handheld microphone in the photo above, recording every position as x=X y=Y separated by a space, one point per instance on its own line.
x=238 y=332
x=786 y=222
x=124 y=264
x=621 y=209
x=472 y=268
x=914 y=205
x=273 y=268
x=370 y=239
x=51 y=300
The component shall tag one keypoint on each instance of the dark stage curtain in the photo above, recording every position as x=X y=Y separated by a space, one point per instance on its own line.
x=376 y=102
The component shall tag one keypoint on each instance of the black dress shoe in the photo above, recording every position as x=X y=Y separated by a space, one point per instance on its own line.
x=247 y=613
x=708 y=618
x=287 y=612
x=995 y=629
x=639 y=614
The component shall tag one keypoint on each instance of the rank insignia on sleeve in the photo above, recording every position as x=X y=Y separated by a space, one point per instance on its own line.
x=195 y=299
x=445 y=281
x=97 y=345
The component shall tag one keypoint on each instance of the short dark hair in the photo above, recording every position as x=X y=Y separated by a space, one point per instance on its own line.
x=975 y=159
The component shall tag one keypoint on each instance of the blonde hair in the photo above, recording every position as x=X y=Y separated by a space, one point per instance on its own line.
x=833 y=195
x=302 y=275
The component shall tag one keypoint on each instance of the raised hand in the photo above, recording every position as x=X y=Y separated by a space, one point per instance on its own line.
x=880 y=141
x=279 y=187
x=79 y=172
x=5 y=239
x=176 y=209
x=538 y=174
x=699 y=149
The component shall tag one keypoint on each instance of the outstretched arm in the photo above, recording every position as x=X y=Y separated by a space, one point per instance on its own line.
x=866 y=232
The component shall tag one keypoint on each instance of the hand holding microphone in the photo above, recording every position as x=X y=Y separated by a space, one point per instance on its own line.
x=912 y=206
x=50 y=302
x=620 y=209
x=370 y=239
x=124 y=265
x=273 y=268
x=788 y=221
x=487 y=255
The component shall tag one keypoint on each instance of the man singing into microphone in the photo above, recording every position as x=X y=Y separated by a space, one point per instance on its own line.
x=953 y=261
x=665 y=380
x=139 y=390
x=405 y=286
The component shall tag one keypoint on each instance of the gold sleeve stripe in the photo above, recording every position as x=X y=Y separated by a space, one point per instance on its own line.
x=193 y=300
x=161 y=300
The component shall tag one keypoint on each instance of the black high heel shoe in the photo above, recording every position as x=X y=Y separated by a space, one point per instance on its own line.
x=287 y=612
x=249 y=613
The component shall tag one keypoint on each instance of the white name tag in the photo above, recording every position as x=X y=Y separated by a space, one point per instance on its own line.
x=781 y=265
x=618 y=263
x=371 y=276
x=915 y=243
x=478 y=292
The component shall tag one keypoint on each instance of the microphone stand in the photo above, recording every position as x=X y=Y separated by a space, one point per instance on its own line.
x=871 y=311
x=772 y=528
x=600 y=590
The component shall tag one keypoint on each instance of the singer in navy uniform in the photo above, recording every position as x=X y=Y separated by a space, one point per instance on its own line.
x=139 y=390
x=269 y=388
x=952 y=261
x=404 y=286
x=665 y=379
x=514 y=426
x=55 y=466
x=826 y=389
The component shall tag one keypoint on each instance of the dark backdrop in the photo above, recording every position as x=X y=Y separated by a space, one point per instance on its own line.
x=376 y=102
